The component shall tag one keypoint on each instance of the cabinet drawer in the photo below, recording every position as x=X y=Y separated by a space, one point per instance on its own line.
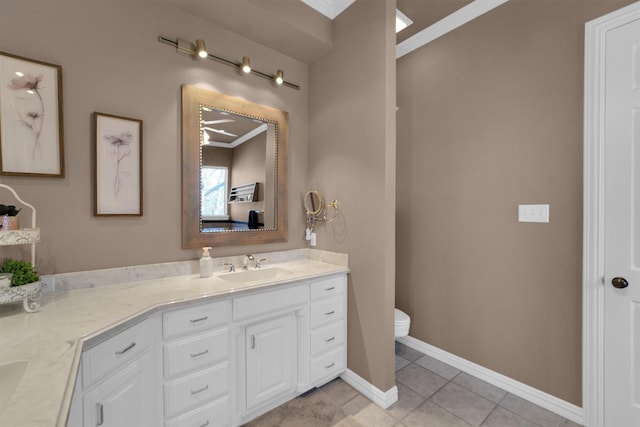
x=104 y=358
x=323 y=288
x=328 y=365
x=188 y=354
x=196 y=389
x=269 y=302
x=199 y=318
x=326 y=338
x=326 y=311
x=216 y=414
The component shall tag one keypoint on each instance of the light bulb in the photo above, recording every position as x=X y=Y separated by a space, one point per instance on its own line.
x=201 y=50
x=279 y=77
x=246 y=64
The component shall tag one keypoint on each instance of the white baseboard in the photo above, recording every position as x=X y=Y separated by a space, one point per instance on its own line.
x=540 y=398
x=379 y=397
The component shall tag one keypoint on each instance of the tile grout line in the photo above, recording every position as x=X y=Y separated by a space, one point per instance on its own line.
x=449 y=412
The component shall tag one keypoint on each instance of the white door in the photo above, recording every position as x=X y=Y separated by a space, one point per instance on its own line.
x=271 y=362
x=622 y=227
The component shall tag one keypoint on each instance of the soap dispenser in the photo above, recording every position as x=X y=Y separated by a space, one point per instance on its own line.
x=206 y=263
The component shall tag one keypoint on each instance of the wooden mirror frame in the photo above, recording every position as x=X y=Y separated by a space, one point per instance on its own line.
x=192 y=236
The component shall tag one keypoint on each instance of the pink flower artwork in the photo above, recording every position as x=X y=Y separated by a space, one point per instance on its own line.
x=32 y=119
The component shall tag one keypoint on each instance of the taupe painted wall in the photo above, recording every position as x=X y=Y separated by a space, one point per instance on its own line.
x=491 y=117
x=352 y=159
x=216 y=156
x=113 y=63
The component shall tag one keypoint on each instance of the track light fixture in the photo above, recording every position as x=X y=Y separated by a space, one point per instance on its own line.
x=279 y=77
x=201 y=50
x=198 y=49
x=246 y=65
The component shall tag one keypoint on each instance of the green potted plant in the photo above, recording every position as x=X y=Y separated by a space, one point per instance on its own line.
x=22 y=271
x=25 y=284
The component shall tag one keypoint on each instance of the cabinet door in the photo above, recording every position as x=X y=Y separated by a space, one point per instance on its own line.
x=271 y=359
x=125 y=399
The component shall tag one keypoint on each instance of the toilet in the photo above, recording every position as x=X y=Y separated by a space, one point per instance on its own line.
x=402 y=321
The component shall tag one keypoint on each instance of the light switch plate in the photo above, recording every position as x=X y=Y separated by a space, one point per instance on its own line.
x=533 y=213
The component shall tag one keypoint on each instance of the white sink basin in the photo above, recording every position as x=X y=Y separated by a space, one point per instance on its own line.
x=10 y=376
x=255 y=275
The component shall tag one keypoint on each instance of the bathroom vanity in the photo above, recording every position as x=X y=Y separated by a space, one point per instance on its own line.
x=180 y=351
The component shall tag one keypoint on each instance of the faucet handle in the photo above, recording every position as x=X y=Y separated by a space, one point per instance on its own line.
x=230 y=265
x=259 y=261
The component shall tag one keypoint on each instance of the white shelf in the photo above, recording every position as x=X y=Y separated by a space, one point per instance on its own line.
x=23 y=236
x=244 y=193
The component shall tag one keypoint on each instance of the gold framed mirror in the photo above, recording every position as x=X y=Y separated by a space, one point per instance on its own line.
x=250 y=201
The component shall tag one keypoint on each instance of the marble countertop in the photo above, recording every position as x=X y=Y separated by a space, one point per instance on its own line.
x=52 y=340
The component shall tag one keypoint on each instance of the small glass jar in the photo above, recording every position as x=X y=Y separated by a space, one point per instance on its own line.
x=10 y=222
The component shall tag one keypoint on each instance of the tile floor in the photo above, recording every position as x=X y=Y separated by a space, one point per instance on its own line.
x=430 y=393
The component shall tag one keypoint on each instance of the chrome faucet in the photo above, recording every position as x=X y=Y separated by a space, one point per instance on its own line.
x=245 y=263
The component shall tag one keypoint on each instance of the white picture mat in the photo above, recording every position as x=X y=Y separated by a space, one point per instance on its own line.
x=117 y=183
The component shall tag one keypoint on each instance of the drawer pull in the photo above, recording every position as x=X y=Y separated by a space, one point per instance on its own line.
x=202 y=353
x=330 y=365
x=329 y=289
x=124 y=350
x=205 y=424
x=329 y=313
x=200 y=390
x=330 y=339
x=99 y=414
x=199 y=319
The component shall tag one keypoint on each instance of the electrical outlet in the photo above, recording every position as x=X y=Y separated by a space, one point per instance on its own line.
x=48 y=283
x=533 y=213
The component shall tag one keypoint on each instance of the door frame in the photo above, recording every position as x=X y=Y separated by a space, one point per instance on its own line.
x=593 y=211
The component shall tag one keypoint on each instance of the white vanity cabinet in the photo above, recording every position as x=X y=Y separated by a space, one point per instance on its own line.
x=216 y=364
x=197 y=365
x=270 y=326
x=118 y=379
x=328 y=328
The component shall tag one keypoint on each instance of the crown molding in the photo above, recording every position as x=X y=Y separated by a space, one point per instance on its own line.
x=447 y=24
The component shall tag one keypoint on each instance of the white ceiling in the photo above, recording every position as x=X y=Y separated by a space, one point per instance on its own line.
x=329 y=8
x=304 y=32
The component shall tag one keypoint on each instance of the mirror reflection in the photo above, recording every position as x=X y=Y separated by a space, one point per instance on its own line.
x=313 y=203
x=237 y=172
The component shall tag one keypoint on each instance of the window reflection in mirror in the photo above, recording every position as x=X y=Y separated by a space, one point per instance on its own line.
x=213 y=193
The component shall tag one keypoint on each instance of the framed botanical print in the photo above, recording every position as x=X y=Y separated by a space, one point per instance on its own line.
x=118 y=165
x=31 y=131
